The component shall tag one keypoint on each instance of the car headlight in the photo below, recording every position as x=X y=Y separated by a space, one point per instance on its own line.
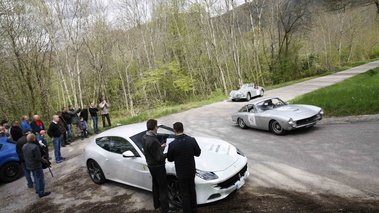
x=290 y=122
x=321 y=112
x=206 y=175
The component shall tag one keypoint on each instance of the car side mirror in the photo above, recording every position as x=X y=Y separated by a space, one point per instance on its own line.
x=128 y=154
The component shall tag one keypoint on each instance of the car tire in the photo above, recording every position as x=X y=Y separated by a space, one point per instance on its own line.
x=241 y=123
x=233 y=100
x=174 y=192
x=248 y=97
x=10 y=172
x=276 y=128
x=95 y=172
x=261 y=93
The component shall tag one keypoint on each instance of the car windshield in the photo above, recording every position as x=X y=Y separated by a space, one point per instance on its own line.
x=270 y=104
x=163 y=133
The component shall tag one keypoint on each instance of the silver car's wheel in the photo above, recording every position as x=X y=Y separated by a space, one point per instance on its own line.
x=174 y=192
x=241 y=123
x=261 y=93
x=248 y=97
x=95 y=172
x=276 y=128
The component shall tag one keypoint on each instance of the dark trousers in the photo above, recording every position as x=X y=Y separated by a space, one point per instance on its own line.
x=160 y=191
x=188 y=194
x=39 y=181
x=108 y=119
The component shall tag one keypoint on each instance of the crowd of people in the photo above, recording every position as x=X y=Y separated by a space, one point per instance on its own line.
x=33 y=153
x=31 y=141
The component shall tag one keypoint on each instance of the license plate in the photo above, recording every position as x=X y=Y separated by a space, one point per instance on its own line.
x=240 y=183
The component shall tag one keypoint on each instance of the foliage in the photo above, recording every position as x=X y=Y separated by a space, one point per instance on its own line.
x=358 y=95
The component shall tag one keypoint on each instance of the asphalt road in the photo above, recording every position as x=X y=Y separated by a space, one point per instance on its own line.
x=332 y=157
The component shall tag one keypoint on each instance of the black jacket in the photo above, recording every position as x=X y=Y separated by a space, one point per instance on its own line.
x=153 y=151
x=20 y=143
x=16 y=133
x=54 y=130
x=36 y=128
x=84 y=114
x=93 y=111
x=182 y=150
x=32 y=155
x=66 y=117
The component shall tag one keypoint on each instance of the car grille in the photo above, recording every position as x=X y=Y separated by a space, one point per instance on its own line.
x=231 y=181
x=306 y=121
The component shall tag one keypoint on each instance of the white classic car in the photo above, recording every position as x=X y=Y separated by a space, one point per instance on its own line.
x=117 y=154
x=247 y=91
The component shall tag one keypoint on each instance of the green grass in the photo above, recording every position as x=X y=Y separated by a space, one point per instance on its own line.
x=167 y=110
x=358 y=95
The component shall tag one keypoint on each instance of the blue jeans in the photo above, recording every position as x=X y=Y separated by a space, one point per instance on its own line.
x=95 y=123
x=69 y=136
x=87 y=127
x=39 y=180
x=28 y=177
x=57 y=148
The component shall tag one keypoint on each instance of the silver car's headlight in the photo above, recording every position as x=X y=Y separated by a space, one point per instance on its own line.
x=290 y=122
x=321 y=112
x=206 y=175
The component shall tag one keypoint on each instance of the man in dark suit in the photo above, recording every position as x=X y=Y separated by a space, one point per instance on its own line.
x=182 y=150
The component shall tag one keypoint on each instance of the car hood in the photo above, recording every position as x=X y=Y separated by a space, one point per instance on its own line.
x=216 y=155
x=295 y=111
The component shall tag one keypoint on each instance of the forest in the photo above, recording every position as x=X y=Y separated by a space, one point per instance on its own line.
x=140 y=54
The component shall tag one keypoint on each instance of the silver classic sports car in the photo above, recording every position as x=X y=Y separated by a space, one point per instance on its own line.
x=117 y=154
x=247 y=91
x=273 y=114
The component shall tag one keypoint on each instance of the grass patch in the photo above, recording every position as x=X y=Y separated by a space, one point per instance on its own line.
x=168 y=109
x=358 y=95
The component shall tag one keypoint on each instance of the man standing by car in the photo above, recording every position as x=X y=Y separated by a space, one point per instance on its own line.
x=182 y=150
x=155 y=160
x=34 y=160
x=93 y=111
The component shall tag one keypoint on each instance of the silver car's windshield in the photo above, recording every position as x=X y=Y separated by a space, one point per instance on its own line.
x=270 y=104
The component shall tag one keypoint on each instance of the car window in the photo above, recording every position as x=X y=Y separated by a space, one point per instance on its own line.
x=116 y=145
x=243 y=109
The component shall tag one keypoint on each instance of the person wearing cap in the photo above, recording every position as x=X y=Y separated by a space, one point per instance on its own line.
x=43 y=143
x=5 y=124
x=34 y=160
x=20 y=143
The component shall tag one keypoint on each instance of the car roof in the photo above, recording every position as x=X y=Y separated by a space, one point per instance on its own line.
x=125 y=130
x=257 y=100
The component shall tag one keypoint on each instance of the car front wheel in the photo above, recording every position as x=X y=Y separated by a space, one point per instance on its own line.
x=95 y=172
x=248 y=96
x=241 y=123
x=276 y=128
x=261 y=93
x=10 y=172
x=174 y=192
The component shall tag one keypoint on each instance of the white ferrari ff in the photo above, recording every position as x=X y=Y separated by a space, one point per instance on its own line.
x=117 y=155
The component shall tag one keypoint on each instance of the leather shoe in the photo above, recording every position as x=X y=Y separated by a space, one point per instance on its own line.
x=44 y=194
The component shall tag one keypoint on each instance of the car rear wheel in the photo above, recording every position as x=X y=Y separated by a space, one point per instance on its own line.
x=276 y=128
x=95 y=172
x=261 y=93
x=174 y=192
x=10 y=172
x=241 y=123
x=248 y=97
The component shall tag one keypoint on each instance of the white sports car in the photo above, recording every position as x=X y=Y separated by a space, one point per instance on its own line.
x=247 y=91
x=117 y=155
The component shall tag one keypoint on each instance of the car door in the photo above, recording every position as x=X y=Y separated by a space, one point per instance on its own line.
x=129 y=170
x=250 y=116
